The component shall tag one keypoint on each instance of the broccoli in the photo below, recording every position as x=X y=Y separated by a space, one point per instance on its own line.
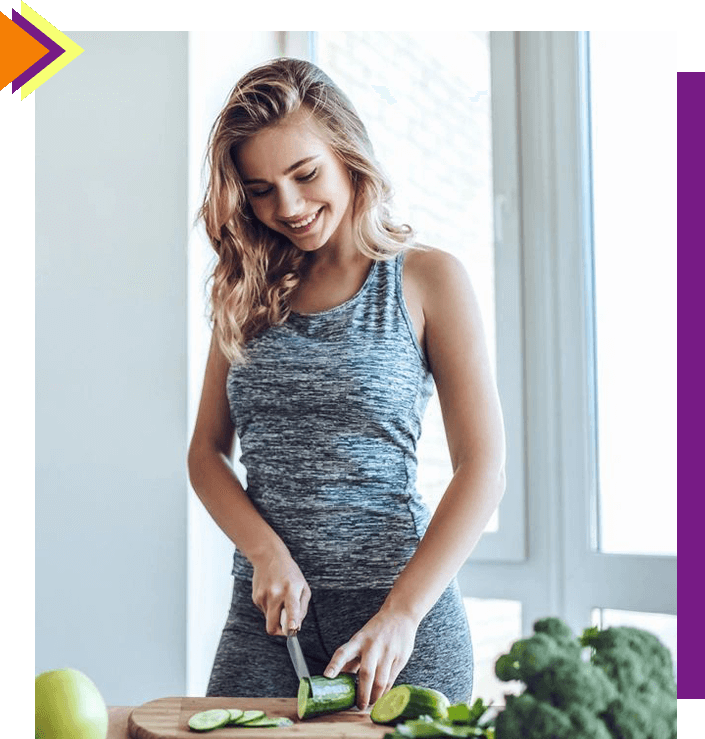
x=641 y=669
x=526 y=717
x=625 y=690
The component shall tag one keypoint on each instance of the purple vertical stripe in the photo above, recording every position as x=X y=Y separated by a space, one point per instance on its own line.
x=691 y=385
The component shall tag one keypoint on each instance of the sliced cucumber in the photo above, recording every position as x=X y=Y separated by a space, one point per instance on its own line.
x=270 y=721
x=208 y=720
x=409 y=702
x=330 y=695
x=424 y=729
x=248 y=716
x=418 y=729
x=235 y=714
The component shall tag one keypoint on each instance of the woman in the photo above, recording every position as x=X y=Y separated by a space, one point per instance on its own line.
x=330 y=326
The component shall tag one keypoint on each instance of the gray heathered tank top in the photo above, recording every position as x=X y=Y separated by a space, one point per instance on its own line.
x=328 y=411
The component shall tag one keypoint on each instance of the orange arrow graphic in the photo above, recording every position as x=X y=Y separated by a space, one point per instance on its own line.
x=18 y=51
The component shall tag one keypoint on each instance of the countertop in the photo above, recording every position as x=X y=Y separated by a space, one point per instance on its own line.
x=117 y=727
x=167 y=717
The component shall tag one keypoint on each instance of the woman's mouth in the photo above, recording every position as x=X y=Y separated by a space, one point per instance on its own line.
x=305 y=224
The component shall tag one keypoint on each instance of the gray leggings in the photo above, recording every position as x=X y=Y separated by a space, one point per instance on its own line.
x=250 y=662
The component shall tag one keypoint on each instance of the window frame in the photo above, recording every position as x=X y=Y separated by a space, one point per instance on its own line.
x=563 y=575
x=596 y=579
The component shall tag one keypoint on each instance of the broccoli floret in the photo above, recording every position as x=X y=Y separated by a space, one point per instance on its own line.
x=560 y=632
x=563 y=695
x=630 y=719
x=526 y=717
x=527 y=657
x=587 y=724
x=625 y=691
x=631 y=657
x=641 y=669
x=569 y=682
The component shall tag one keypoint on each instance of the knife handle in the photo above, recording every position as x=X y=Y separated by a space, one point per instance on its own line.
x=282 y=621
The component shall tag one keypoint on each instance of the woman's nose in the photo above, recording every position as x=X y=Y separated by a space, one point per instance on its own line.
x=289 y=203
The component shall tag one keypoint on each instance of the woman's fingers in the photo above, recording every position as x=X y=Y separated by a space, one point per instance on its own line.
x=378 y=652
x=372 y=678
x=393 y=675
x=278 y=583
x=304 y=599
x=284 y=609
x=294 y=611
x=373 y=669
x=344 y=654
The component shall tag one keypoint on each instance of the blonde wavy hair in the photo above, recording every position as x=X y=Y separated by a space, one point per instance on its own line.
x=258 y=269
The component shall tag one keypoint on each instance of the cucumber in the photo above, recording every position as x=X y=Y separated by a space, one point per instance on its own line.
x=409 y=702
x=235 y=714
x=270 y=721
x=207 y=720
x=417 y=729
x=331 y=694
x=248 y=716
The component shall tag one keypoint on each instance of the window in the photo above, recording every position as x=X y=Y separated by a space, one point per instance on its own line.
x=634 y=199
x=495 y=625
x=617 y=347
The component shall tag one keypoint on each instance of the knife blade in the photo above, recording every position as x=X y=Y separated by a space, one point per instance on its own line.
x=292 y=644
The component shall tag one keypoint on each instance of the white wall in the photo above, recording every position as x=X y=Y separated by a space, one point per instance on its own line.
x=111 y=365
x=216 y=62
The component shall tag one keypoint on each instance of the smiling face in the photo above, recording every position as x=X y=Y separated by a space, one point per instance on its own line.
x=297 y=185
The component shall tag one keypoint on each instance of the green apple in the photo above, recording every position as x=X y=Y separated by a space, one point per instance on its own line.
x=68 y=705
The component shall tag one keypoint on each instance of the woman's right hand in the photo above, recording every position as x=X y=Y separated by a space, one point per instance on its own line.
x=279 y=583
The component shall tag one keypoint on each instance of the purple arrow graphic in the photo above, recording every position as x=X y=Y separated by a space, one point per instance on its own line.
x=53 y=53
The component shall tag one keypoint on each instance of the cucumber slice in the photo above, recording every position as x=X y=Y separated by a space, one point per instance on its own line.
x=270 y=721
x=248 y=716
x=331 y=694
x=409 y=702
x=422 y=729
x=419 y=729
x=235 y=714
x=207 y=720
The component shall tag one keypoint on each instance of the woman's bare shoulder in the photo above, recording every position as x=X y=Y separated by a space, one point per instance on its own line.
x=429 y=269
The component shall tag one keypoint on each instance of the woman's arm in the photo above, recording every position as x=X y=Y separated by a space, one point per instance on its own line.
x=278 y=581
x=457 y=353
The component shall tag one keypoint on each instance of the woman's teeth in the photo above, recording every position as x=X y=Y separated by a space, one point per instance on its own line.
x=305 y=222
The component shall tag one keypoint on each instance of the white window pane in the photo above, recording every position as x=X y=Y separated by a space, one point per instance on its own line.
x=494 y=626
x=633 y=151
x=662 y=625
x=425 y=100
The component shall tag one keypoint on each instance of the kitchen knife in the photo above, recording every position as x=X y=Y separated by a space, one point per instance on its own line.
x=292 y=644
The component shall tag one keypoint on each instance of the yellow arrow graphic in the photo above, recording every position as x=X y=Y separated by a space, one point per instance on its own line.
x=72 y=50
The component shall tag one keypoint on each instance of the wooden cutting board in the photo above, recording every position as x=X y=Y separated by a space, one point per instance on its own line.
x=167 y=718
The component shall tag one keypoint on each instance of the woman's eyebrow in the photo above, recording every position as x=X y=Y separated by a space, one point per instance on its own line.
x=305 y=160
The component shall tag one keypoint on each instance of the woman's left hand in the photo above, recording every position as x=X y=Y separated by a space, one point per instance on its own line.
x=377 y=652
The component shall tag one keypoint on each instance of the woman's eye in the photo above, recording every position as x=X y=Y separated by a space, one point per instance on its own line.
x=304 y=178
